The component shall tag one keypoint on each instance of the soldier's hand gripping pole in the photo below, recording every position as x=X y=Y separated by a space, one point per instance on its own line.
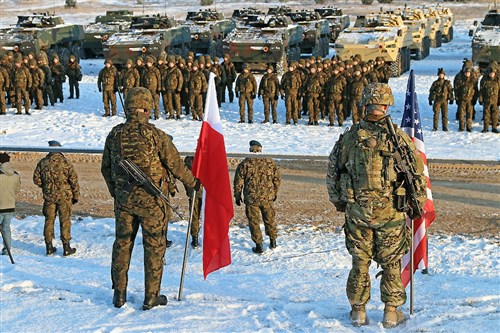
x=146 y=182
x=7 y=247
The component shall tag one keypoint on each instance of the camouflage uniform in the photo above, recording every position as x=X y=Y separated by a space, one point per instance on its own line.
x=151 y=80
x=220 y=86
x=186 y=75
x=129 y=78
x=468 y=93
x=38 y=81
x=246 y=90
x=230 y=78
x=151 y=150
x=195 y=223
x=314 y=89
x=354 y=94
x=259 y=179
x=59 y=182
x=74 y=73
x=21 y=81
x=47 y=92
x=383 y=71
x=173 y=87
x=489 y=98
x=441 y=92
x=107 y=82
x=4 y=85
x=301 y=97
x=269 y=90
x=197 y=86
x=290 y=87
x=335 y=90
x=363 y=182
x=59 y=75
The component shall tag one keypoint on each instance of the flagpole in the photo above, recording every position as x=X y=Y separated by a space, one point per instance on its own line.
x=412 y=265
x=184 y=261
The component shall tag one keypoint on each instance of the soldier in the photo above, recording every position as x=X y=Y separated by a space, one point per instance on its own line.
x=21 y=81
x=11 y=183
x=489 y=99
x=220 y=84
x=172 y=85
x=47 y=92
x=129 y=78
x=74 y=73
x=150 y=149
x=139 y=66
x=301 y=96
x=198 y=197
x=107 y=83
x=441 y=92
x=246 y=90
x=269 y=91
x=38 y=81
x=151 y=80
x=59 y=182
x=59 y=74
x=362 y=180
x=162 y=67
x=290 y=86
x=355 y=89
x=186 y=75
x=230 y=72
x=335 y=90
x=3 y=89
x=323 y=77
x=259 y=179
x=468 y=96
x=197 y=87
x=8 y=65
x=314 y=88
x=383 y=70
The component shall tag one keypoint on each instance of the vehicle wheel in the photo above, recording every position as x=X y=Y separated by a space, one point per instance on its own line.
x=50 y=53
x=282 y=65
x=450 y=34
x=439 y=39
x=219 y=48
x=419 y=55
x=396 y=66
x=63 y=54
x=75 y=50
x=427 y=46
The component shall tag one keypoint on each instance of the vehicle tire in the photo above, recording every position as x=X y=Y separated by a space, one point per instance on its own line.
x=50 y=53
x=449 y=37
x=282 y=65
x=63 y=54
x=75 y=50
x=419 y=54
x=396 y=66
x=218 y=50
x=439 y=39
x=427 y=46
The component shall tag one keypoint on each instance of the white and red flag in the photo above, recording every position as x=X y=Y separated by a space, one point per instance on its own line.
x=411 y=125
x=210 y=167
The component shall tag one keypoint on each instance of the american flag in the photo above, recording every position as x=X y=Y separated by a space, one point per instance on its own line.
x=411 y=125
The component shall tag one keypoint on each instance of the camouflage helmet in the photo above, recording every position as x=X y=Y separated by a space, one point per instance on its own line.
x=348 y=62
x=170 y=58
x=441 y=71
x=6 y=57
x=55 y=57
x=139 y=98
x=245 y=66
x=32 y=62
x=72 y=57
x=182 y=62
x=190 y=54
x=226 y=56
x=468 y=70
x=270 y=67
x=108 y=61
x=149 y=59
x=313 y=66
x=216 y=60
x=302 y=62
x=129 y=62
x=162 y=58
x=378 y=93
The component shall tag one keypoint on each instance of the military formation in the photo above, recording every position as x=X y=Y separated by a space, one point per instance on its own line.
x=27 y=80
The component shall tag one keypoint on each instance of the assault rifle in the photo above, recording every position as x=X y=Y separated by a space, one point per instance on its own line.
x=405 y=164
x=145 y=181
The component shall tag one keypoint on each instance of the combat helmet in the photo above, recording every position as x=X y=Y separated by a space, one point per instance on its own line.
x=378 y=93
x=139 y=98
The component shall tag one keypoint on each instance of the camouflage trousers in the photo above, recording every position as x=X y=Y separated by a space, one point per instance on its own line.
x=440 y=106
x=74 y=88
x=254 y=213
x=172 y=103
x=335 y=106
x=490 y=111
x=386 y=245
x=358 y=112
x=22 y=95
x=245 y=98
x=109 y=98
x=36 y=96
x=465 y=114
x=3 y=102
x=270 y=104
x=156 y=100
x=195 y=225
x=313 y=107
x=48 y=95
x=152 y=219
x=229 y=87
x=185 y=101
x=196 y=105
x=219 y=89
x=292 y=107
x=50 y=211
x=58 y=90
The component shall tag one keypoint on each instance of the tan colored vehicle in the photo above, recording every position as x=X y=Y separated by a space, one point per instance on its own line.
x=434 y=19
x=447 y=20
x=377 y=35
x=419 y=29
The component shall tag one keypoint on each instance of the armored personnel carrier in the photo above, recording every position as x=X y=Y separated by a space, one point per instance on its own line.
x=104 y=26
x=316 y=40
x=377 y=35
x=241 y=16
x=43 y=32
x=336 y=20
x=208 y=28
x=161 y=35
x=434 y=20
x=267 y=40
x=419 y=29
x=447 y=21
x=486 y=40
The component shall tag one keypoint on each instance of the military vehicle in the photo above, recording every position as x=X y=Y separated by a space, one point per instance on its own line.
x=104 y=26
x=486 y=40
x=208 y=28
x=369 y=2
x=434 y=19
x=161 y=35
x=377 y=35
x=316 y=40
x=70 y=4
x=336 y=20
x=420 y=30
x=447 y=21
x=43 y=32
x=269 y=39
x=241 y=16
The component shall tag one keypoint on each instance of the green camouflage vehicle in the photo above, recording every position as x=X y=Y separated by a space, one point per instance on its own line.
x=377 y=35
x=486 y=40
x=105 y=26
x=336 y=20
x=241 y=16
x=268 y=39
x=163 y=35
x=419 y=29
x=316 y=41
x=208 y=28
x=43 y=32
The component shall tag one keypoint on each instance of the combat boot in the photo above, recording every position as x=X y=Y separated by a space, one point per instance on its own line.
x=392 y=317
x=194 y=242
x=50 y=249
x=169 y=243
x=258 y=248
x=272 y=243
x=152 y=301
x=358 y=316
x=119 y=298
x=68 y=250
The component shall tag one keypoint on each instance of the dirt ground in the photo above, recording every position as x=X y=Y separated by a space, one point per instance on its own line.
x=466 y=196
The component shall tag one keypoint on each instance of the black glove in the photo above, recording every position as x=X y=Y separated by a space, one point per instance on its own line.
x=260 y=97
x=252 y=95
x=237 y=95
x=100 y=90
x=197 y=185
x=451 y=101
x=115 y=90
x=238 y=201
x=74 y=201
x=430 y=102
x=276 y=97
x=282 y=96
x=172 y=194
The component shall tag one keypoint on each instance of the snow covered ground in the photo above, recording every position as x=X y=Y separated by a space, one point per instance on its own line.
x=298 y=287
x=78 y=123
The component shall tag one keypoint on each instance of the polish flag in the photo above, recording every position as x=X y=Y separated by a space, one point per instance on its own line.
x=210 y=167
